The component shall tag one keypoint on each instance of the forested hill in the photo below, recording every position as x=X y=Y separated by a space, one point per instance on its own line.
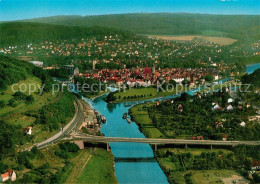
x=253 y=78
x=13 y=71
x=235 y=26
x=23 y=32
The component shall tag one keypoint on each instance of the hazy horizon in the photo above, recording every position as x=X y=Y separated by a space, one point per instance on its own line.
x=20 y=10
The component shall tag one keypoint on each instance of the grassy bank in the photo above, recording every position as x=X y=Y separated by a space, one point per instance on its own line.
x=135 y=94
x=141 y=117
x=93 y=166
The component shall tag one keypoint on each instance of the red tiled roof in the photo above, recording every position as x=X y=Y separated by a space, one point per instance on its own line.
x=255 y=163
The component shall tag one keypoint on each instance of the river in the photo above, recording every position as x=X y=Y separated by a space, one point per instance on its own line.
x=251 y=68
x=134 y=162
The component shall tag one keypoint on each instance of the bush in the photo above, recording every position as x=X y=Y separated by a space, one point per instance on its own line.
x=2 y=104
x=19 y=95
x=29 y=99
x=70 y=147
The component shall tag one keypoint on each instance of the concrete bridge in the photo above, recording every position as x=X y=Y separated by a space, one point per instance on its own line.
x=99 y=139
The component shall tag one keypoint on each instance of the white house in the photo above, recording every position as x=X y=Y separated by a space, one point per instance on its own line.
x=28 y=130
x=230 y=108
x=8 y=175
x=215 y=107
x=179 y=80
x=37 y=63
x=215 y=77
x=243 y=124
x=230 y=100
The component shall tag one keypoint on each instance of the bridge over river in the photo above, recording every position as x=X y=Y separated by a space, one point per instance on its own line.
x=75 y=136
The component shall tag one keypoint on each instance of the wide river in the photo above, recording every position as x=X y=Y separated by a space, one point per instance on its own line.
x=134 y=162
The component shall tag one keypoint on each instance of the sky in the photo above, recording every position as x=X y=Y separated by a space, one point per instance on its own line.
x=27 y=9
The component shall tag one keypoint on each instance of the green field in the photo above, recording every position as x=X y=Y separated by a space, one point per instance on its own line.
x=142 y=119
x=148 y=92
x=95 y=166
x=187 y=38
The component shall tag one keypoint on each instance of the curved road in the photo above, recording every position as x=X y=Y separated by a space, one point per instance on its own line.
x=70 y=127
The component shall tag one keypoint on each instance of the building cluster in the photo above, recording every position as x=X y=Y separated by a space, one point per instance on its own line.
x=8 y=175
x=116 y=49
x=149 y=75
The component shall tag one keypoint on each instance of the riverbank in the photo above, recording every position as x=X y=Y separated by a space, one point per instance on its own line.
x=99 y=165
x=141 y=117
x=138 y=94
x=175 y=161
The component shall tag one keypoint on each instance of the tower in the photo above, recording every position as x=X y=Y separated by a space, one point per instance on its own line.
x=153 y=69
x=94 y=65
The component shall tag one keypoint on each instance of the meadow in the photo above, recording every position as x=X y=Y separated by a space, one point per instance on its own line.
x=187 y=38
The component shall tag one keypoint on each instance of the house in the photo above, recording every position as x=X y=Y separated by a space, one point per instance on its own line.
x=224 y=137
x=200 y=138
x=215 y=77
x=28 y=130
x=255 y=165
x=243 y=124
x=230 y=108
x=71 y=69
x=37 y=63
x=216 y=107
x=180 y=107
x=197 y=138
x=10 y=174
x=219 y=124
x=230 y=100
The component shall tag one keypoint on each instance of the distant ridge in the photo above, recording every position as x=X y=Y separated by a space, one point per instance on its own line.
x=234 y=26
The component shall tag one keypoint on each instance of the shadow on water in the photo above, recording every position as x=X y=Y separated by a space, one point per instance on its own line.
x=146 y=159
x=111 y=107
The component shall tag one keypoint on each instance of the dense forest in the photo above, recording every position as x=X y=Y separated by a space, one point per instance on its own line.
x=235 y=26
x=253 y=78
x=13 y=70
x=36 y=33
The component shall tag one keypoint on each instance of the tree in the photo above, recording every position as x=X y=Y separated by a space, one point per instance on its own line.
x=2 y=104
x=209 y=78
x=11 y=102
x=29 y=99
x=173 y=83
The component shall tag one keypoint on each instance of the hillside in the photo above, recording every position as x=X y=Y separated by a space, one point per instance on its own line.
x=234 y=26
x=13 y=71
x=253 y=78
x=38 y=32
x=23 y=104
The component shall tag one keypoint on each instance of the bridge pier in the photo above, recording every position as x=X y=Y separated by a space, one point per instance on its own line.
x=186 y=146
x=155 y=147
x=108 y=147
x=211 y=147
